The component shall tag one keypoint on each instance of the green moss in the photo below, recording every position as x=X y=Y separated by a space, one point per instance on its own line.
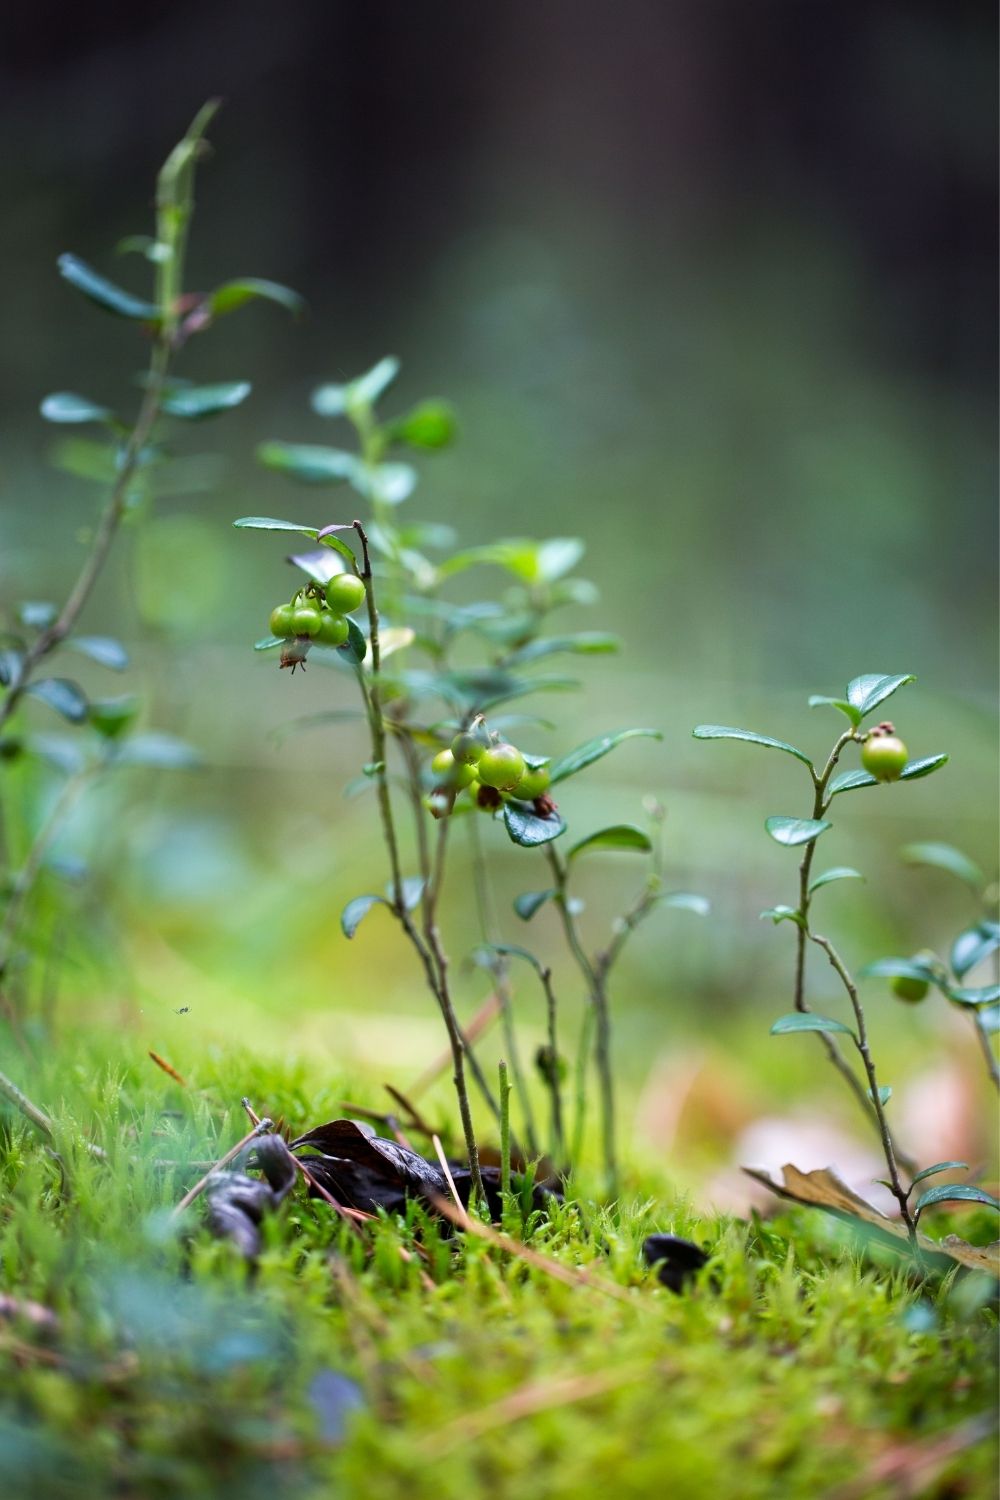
x=790 y=1368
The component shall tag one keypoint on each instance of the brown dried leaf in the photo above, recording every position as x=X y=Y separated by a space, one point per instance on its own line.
x=824 y=1189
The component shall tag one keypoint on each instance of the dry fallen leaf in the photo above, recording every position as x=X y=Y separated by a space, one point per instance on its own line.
x=824 y=1189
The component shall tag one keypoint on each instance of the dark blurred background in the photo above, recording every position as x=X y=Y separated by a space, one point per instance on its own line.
x=712 y=285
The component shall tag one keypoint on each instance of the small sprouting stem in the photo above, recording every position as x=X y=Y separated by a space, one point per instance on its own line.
x=504 y=1132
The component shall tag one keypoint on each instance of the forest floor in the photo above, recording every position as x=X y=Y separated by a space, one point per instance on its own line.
x=141 y=1357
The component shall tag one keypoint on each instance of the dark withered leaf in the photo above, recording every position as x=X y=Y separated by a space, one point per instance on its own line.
x=229 y=1221
x=678 y=1261
x=276 y=1162
x=401 y=1169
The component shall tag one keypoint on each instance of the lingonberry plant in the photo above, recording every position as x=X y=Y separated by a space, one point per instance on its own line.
x=884 y=759
x=374 y=600
x=911 y=979
x=132 y=461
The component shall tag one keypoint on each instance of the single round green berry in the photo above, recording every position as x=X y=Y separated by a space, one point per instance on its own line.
x=333 y=629
x=281 y=621
x=468 y=746
x=884 y=756
x=450 y=771
x=306 y=620
x=533 y=783
x=344 y=592
x=906 y=987
x=501 y=766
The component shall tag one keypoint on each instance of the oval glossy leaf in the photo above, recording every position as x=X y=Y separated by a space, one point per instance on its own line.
x=724 y=732
x=270 y=523
x=236 y=294
x=586 y=754
x=389 y=483
x=850 y=781
x=319 y=565
x=367 y=388
x=165 y=752
x=685 y=901
x=310 y=463
x=989 y=1018
x=531 y=901
x=10 y=665
x=355 y=911
x=972 y=946
x=987 y=994
x=355 y=648
x=487 y=954
x=413 y=889
x=900 y=968
x=619 y=836
x=816 y=700
x=64 y=406
x=526 y=828
x=807 y=1021
x=558 y=556
x=954 y=1192
x=193 y=402
x=62 y=695
x=104 y=293
x=794 y=831
x=939 y=1166
x=585 y=643
x=36 y=613
x=429 y=425
x=839 y=872
x=103 y=649
x=944 y=857
x=268 y=643
x=782 y=914
x=866 y=693
x=329 y=400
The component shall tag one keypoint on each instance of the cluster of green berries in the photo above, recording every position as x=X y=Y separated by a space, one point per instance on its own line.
x=883 y=753
x=489 y=769
x=319 y=615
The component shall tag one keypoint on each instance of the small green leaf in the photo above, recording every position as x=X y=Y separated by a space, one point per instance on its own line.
x=487 y=954
x=724 y=732
x=954 y=1192
x=164 y=752
x=972 y=946
x=558 y=556
x=939 y=1166
x=64 y=406
x=586 y=754
x=104 y=293
x=431 y=424
x=685 y=901
x=194 y=402
x=794 y=831
x=987 y=994
x=103 y=649
x=839 y=872
x=366 y=389
x=585 y=643
x=355 y=648
x=866 y=693
x=620 y=836
x=783 y=914
x=37 y=614
x=531 y=901
x=389 y=483
x=884 y=1094
x=269 y=523
x=355 y=911
x=989 y=1018
x=62 y=695
x=144 y=244
x=817 y=701
x=807 y=1021
x=412 y=890
x=525 y=827
x=236 y=294
x=111 y=717
x=268 y=643
x=58 y=751
x=944 y=857
x=850 y=781
x=311 y=464
x=899 y=968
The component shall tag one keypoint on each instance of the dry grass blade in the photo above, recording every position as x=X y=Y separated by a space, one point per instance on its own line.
x=535 y=1396
x=352 y=1216
x=223 y=1161
x=171 y=1072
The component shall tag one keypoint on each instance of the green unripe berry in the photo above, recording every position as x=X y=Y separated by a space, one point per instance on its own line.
x=344 y=592
x=533 y=783
x=306 y=620
x=467 y=747
x=501 y=766
x=333 y=629
x=450 y=771
x=281 y=621
x=884 y=756
x=905 y=987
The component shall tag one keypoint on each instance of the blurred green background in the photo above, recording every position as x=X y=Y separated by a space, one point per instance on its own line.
x=711 y=286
